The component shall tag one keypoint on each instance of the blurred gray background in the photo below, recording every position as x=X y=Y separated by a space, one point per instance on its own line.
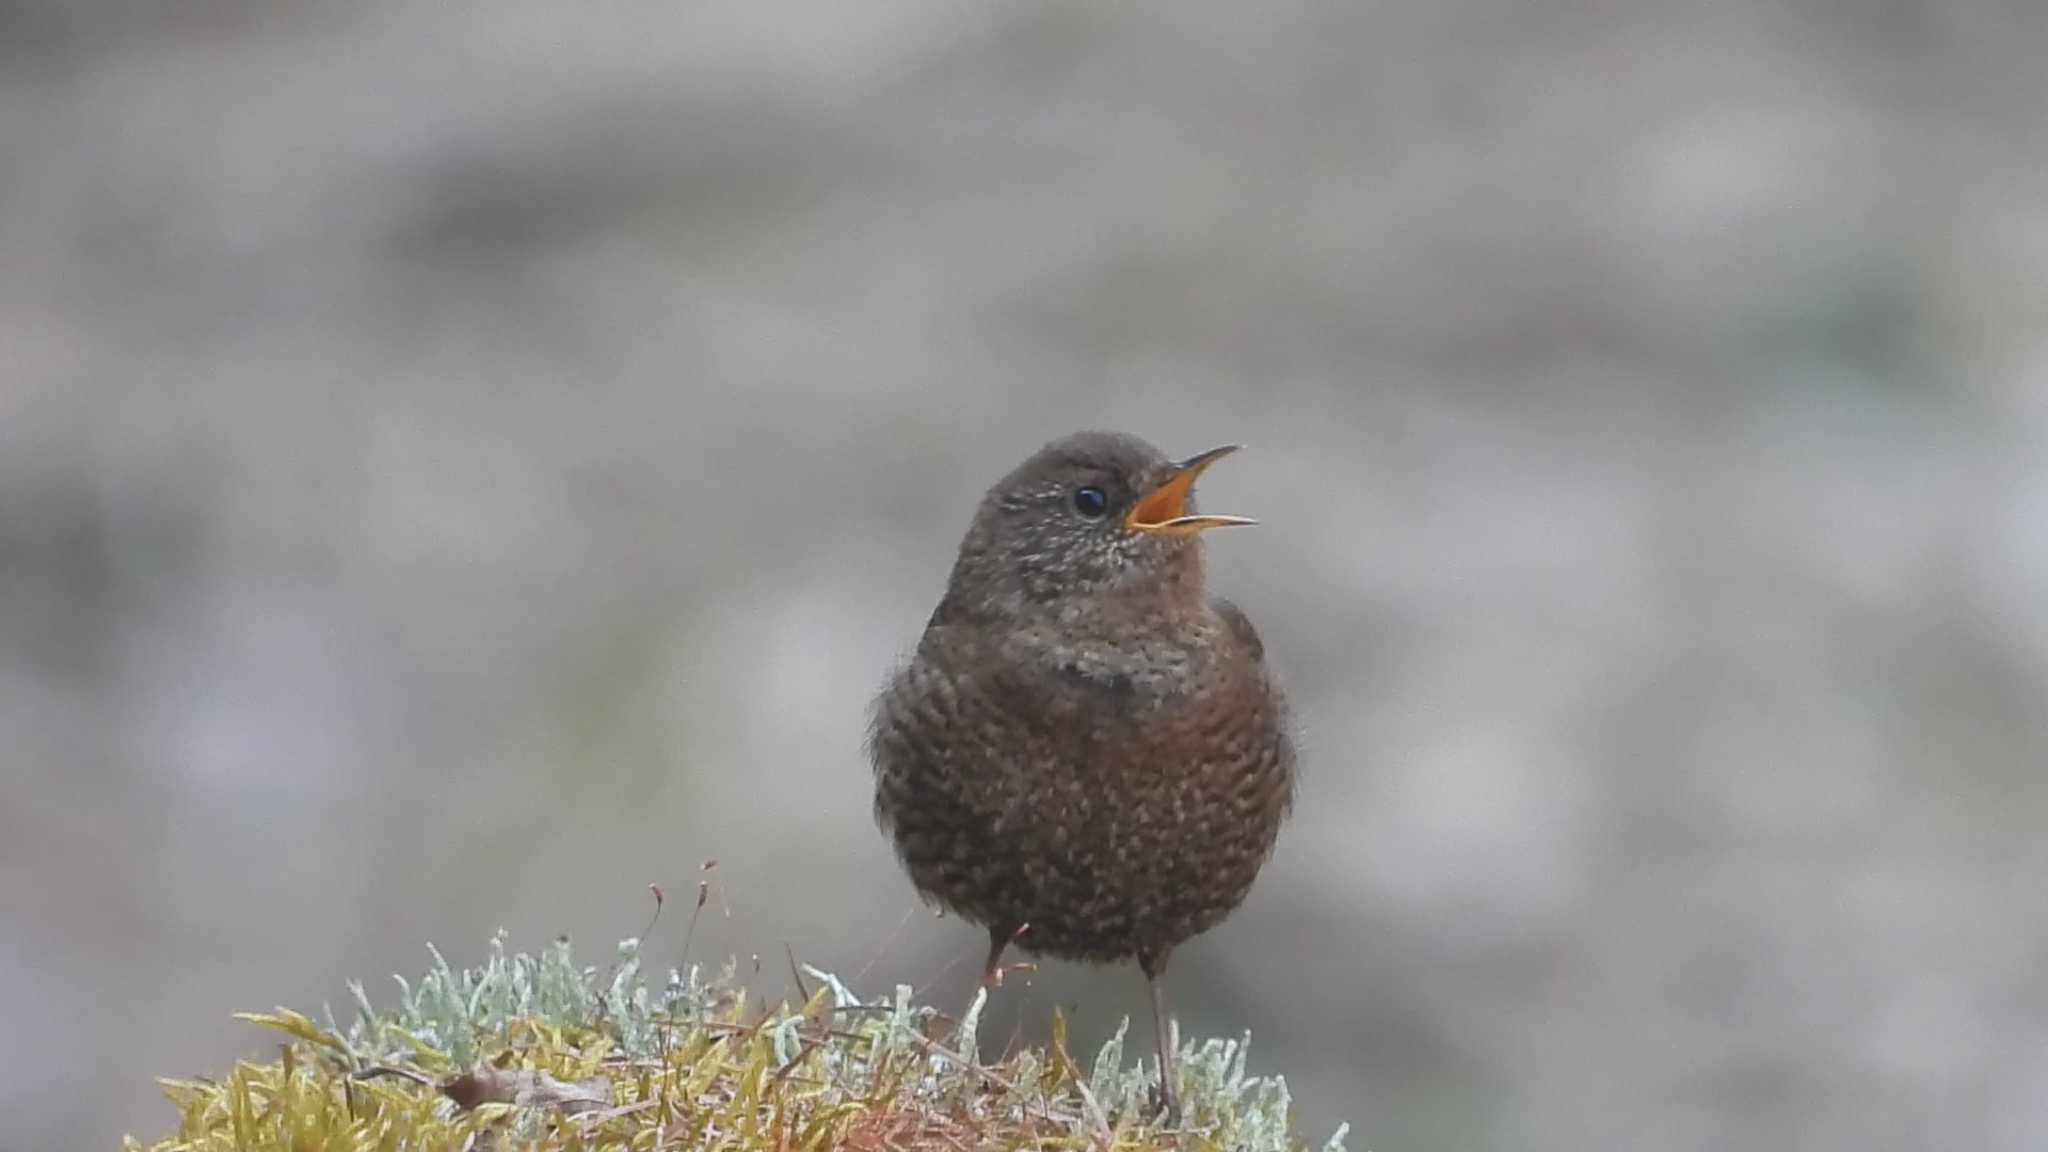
x=462 y=462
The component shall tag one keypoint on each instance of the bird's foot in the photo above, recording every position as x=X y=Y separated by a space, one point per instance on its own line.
x=1001 y=972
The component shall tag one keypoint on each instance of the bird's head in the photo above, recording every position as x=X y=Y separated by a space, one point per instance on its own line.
x=1091 y=516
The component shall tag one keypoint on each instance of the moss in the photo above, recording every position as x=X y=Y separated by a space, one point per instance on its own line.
x=535 y=1051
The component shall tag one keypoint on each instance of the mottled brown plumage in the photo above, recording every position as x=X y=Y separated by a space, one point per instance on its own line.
x=1085 y=746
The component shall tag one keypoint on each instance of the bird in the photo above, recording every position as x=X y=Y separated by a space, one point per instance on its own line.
x=1086 y=755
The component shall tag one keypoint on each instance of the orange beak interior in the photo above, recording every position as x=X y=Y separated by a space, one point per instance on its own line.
x=1164 y=509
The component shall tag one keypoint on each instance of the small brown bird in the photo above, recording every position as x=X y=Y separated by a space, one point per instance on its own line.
x=1086 y=755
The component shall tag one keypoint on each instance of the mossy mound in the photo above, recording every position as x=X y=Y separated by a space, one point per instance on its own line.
x=535 y=1051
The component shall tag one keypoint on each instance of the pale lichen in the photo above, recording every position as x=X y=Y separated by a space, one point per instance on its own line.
x=533 y=1050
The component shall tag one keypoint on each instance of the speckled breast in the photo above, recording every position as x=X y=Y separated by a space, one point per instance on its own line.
x=1110 y=817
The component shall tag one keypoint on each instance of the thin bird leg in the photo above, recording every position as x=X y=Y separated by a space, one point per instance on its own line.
x=995 y=971
x=1162 y=1020
x=992 y=972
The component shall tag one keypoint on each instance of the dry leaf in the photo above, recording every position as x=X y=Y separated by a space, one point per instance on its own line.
x=526 y=1088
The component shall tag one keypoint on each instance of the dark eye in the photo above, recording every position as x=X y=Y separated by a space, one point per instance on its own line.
x=1090 y=502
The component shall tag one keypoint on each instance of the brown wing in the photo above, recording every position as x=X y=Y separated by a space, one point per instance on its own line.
x=955 y=754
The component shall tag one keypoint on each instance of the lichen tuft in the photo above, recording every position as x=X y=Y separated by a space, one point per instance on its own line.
x=534 y=1051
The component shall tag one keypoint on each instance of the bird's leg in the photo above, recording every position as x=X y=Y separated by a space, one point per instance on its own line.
x=1154 y=966
x=995 y=970
x=999 y=938
x=992 y=972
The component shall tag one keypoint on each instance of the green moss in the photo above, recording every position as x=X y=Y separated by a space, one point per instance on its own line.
x=529 y=1051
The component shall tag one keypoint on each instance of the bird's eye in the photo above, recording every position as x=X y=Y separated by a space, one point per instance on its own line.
x=1091 y=502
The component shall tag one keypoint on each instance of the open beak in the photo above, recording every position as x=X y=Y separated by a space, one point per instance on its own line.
x=1164 y=509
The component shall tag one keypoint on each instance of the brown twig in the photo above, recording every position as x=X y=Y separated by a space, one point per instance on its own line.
x=974 y=1066
x=1094 y=1107
x=376 y=1070
x=803 y=993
